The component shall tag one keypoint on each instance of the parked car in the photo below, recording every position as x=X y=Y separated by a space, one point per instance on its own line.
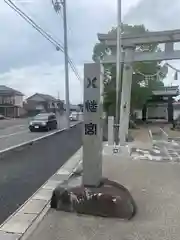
x=2 y=117
x=73 y=116
x=43 y=121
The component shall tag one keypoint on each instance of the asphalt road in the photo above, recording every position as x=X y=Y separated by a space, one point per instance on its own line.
x=13 y=122
x=15 y=131
x=23 y=172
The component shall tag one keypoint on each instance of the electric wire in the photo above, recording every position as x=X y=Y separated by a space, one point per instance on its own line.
x=46 y=35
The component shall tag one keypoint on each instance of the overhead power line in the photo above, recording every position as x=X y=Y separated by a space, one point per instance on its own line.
x=35 y=18
x=43 y=33
x=27 y=19
x=46 y=35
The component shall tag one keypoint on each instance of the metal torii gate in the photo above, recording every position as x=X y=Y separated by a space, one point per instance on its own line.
x=130 y=55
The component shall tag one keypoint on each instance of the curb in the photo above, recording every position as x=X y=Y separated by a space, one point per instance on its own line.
x=26 y=218
x=31 y=142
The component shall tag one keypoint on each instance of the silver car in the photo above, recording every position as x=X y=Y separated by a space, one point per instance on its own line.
x=73 y=116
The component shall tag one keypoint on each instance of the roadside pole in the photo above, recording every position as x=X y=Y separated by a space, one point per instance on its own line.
x=66 y=63
x=57 y=6
x=118 y=69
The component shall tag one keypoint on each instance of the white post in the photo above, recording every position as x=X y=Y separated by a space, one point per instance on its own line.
x=126 y=96
x=92 y=128
x=111 y=131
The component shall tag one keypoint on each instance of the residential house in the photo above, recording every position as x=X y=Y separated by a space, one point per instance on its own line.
x=42 y=103
x=73 y=107
x=80 y=107
x=11 y=102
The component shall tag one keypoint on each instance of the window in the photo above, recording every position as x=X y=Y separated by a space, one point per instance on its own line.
x=41 y=117
x=52 y=117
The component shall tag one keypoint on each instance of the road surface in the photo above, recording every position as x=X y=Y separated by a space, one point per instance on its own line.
x=15 y=131
x=23 y=172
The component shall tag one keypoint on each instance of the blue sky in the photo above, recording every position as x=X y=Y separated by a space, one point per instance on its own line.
x=31 y=64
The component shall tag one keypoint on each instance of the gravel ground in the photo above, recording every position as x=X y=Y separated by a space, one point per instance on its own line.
x=172 y=133
x=23 y=172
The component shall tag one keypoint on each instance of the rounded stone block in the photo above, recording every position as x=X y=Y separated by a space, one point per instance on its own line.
x=110 y=199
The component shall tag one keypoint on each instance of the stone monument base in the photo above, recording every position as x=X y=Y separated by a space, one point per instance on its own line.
x=110 y=199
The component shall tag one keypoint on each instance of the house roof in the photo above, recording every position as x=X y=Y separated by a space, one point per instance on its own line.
x=44 y=97
x=9 y=91
x=166 y=91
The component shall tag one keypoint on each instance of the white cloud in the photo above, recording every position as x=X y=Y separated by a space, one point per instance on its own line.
x=158 y=16
x=43 y=78
x=31 y=64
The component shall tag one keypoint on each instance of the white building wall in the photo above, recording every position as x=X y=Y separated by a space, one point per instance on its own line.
x=176 y=113
x=138 y=113
x=18 y=101
x=160 y=111
x=39 y=107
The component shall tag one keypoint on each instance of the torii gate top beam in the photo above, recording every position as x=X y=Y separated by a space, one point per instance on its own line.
x=145 y=38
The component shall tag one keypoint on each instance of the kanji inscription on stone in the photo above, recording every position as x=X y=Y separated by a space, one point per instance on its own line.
x=91 y=82
x=90 y=129
x=91 y=106
x=92 y=125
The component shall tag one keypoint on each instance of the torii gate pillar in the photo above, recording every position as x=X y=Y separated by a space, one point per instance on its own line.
x=126 y=95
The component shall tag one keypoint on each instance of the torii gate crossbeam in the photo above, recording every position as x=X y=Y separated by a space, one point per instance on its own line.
x=130 y=55
x=143 y=38
x=145 y=57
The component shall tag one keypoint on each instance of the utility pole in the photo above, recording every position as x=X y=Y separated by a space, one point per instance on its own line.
x=118 y=67
x=57 y=6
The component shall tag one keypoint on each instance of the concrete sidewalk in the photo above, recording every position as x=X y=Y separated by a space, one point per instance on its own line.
x=156 y=190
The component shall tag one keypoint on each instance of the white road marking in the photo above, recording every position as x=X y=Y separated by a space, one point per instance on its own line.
x=30 y=141
x=36 y=139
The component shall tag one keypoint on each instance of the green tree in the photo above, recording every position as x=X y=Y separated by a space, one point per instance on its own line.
x=141 y=89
